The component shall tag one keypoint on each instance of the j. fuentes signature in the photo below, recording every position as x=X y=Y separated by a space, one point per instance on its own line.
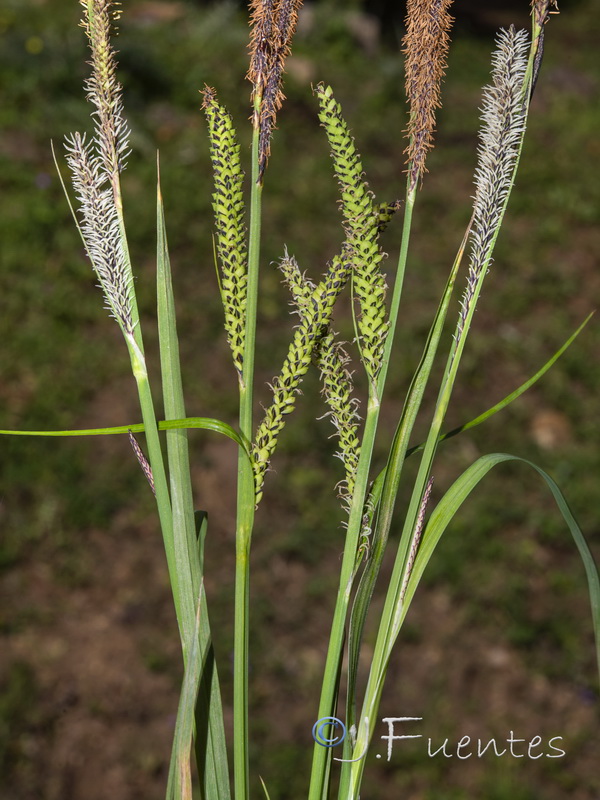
x=331 y=731
x=466 y=746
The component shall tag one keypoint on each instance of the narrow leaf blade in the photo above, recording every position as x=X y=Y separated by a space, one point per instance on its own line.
x=211 y=751
x=453 y=500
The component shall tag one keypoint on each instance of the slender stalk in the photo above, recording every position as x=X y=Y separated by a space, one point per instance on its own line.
x=183 y=600
x=411 y=197
x=330 y=685
x=390 y=479
x=178 y=563
x=489 y=207
x=245 y=496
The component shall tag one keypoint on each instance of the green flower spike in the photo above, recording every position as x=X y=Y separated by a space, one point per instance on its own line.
x=362 y=224
x=229 y=210
x=315 y=315
x=331 y=359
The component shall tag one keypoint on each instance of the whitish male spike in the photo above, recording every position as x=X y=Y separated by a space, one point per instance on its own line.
x=100 y=229
x=504 y=115
x=103 y=89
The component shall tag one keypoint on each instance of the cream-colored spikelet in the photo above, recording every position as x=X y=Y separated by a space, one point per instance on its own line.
x=100 y=229
x=103 y=89
x=315 y=317
x=362 y=225
x=337 y=388
x=273 y=24
x=95 y=166
x=426 y=45
x=503 y=115
x=229 y=210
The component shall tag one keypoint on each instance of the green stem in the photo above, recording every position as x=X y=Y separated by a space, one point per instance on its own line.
x=329 y=690
x=245 y=500
x=177 y=565
x=322 y=755
x=184 y=606
x=398 y=285
x=395 y=607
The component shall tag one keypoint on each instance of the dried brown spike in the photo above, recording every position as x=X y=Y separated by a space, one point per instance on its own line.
x=416 y=538
x=261 y=21
x=541 y=14
x=273 y=24
x=541 y=10
x=426 y=45
x=142 y=460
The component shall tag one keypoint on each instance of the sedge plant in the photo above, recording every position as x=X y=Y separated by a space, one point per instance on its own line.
x=367 y=498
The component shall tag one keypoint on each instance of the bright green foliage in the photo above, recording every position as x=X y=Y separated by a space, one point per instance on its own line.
x=229 y=209
x=362 y=222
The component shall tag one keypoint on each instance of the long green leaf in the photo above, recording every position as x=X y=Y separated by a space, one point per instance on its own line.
x=387 y=485
x=210 y=744
x=179 y=786
x=206 y=423
x=438 y=523
x=513 y=395
x=211 y=749
x=184 y=531
x=455 y=497
x=506 y=401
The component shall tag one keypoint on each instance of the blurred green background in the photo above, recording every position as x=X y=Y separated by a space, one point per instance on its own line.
x=500 y=636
